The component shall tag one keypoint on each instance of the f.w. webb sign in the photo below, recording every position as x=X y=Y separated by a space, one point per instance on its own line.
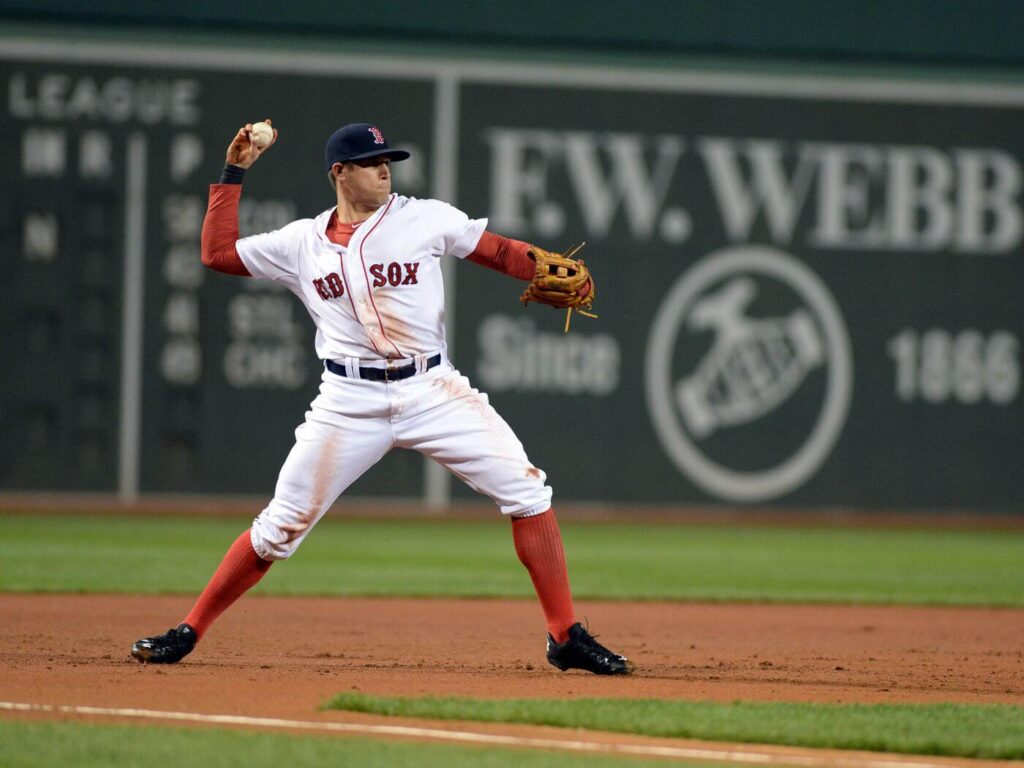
x=810 y=301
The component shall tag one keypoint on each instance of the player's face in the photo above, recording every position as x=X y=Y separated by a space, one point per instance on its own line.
x=367 y=182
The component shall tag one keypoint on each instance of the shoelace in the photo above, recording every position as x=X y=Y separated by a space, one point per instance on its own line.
x=171 y=635
x=590 y=644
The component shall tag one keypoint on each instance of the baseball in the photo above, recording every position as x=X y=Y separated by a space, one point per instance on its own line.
x=262 y=134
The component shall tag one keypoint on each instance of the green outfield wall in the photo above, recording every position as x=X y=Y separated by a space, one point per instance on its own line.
x=808 y=285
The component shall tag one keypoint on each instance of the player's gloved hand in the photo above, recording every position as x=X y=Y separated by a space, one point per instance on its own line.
x=242 y=151
x=560 y=281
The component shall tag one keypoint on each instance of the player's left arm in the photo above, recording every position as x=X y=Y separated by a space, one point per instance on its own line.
x=510 y=257
x=504 y=255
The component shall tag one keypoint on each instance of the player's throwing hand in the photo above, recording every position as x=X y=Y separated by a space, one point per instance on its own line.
x=243 y=150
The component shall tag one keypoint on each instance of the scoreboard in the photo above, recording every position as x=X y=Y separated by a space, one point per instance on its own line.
x=128 y=366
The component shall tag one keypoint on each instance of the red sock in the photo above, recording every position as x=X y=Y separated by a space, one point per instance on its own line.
x=240 y=569
x=539 y=546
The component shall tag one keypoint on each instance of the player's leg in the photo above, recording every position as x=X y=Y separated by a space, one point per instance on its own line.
x=463 y=432
x=331 y=451
x=325 y=460
x=538 y=544
x=455 y=425
x=239 y=570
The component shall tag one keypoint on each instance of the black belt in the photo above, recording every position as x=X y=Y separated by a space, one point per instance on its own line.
x=390 y=373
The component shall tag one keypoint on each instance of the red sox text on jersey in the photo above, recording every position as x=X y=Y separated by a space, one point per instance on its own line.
x=393 y=274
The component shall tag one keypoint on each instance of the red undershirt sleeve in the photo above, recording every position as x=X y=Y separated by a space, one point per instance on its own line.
x=504 y=255
x=220 y=230
x=509 y=257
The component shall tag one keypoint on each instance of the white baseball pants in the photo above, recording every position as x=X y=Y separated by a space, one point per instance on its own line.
x=353 y=423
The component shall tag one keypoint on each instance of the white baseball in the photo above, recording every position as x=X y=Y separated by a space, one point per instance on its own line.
x=262 y=134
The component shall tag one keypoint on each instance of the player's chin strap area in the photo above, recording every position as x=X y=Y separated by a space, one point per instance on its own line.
x=390 y=372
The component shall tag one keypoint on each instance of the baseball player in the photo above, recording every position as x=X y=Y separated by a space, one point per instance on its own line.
x=369 y=272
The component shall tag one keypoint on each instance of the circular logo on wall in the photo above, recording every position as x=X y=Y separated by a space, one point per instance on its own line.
x=748 y=373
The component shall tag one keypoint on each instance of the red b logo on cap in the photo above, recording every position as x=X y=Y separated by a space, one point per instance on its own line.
x=378 y=137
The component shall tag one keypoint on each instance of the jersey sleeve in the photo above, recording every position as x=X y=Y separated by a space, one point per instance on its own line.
x=272 y=255
x=454 y=233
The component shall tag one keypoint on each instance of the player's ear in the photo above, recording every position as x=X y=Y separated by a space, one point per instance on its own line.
x=334 y=175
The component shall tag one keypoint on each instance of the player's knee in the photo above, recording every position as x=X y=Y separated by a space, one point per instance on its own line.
x=276 y=537
x=528 y=501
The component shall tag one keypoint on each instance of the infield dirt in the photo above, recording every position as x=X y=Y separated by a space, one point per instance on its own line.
x=284 y=657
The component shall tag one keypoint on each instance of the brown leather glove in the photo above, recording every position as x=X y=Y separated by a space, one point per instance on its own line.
x=559 y=280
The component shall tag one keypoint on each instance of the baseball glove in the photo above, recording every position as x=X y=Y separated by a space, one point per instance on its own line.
x=560 y=281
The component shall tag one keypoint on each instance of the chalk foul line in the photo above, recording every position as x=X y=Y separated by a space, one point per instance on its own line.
x=724 y=755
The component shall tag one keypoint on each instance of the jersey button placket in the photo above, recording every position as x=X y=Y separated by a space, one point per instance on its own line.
x=368 y=319
x=364 y=314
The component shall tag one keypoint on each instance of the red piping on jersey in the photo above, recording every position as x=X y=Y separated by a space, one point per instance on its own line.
x=369 y=290
x=355 y=314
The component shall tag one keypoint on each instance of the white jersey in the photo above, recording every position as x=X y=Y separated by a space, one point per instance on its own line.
x=382 y=296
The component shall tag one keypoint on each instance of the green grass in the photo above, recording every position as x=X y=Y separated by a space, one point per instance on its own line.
x=961 y=730
x=77 y=745
x=474 y=559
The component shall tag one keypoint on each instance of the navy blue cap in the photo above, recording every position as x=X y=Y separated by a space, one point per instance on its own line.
x=359 y=141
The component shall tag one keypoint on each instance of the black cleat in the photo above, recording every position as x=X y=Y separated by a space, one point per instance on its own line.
x=168 y=648
x=582 y=651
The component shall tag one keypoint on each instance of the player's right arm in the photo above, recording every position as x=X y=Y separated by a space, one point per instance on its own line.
x=220 y=227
